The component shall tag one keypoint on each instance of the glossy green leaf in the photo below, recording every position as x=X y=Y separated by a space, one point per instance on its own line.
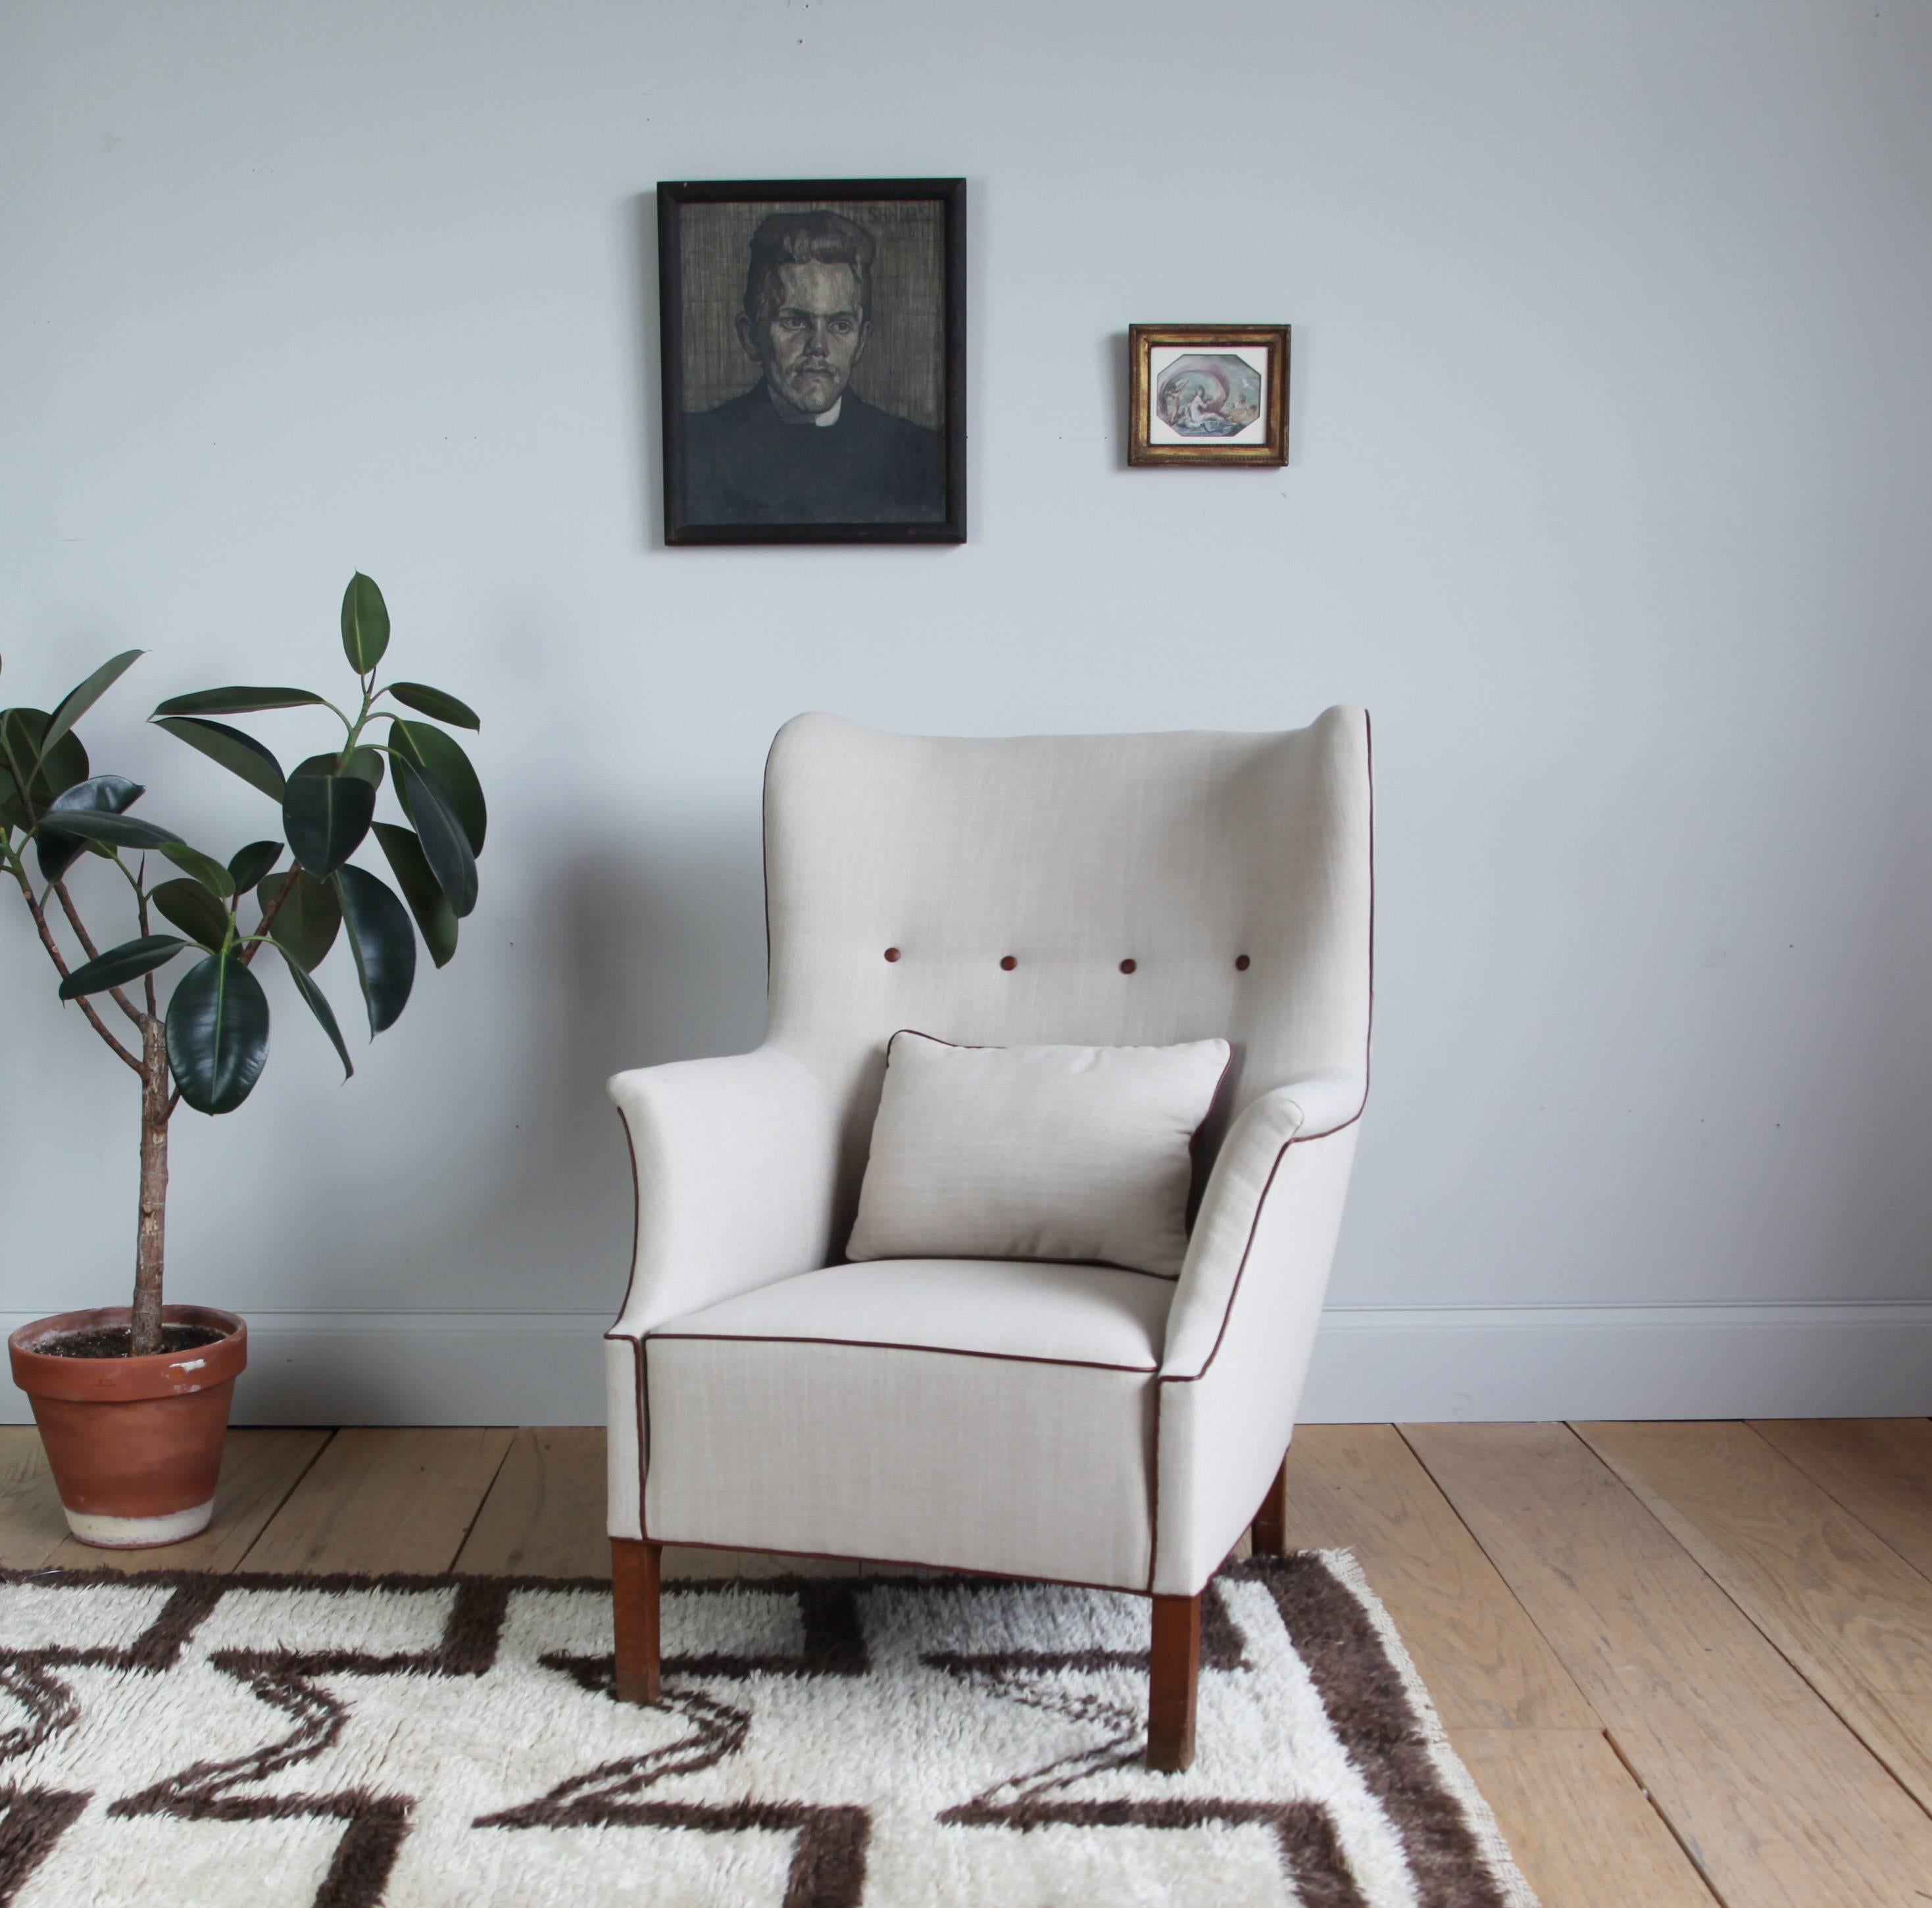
x=318 y=1005
x=107 y=794
x=241 y=755
x=193 y=910
x=61 y=767
x=118 y=831
x=442 y=755
x=83 y=696
x=435 y=921
x=217 y=1033
x=365 y=624
x=380 y=937
x=104 y=794
x=248 y=865
x=444 y=843
x=307 y=918
x=206 y=869
x=325 y=818
x=119 y=965
x=436 y=702
x=238 y=700
x=365 y=764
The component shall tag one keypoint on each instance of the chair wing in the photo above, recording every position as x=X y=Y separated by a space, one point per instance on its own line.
x=1232 y=871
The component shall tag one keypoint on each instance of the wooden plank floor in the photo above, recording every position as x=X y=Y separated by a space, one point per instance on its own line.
x=1691 y=1665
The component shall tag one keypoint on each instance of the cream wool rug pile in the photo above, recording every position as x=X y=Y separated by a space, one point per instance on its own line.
x=451 y=1742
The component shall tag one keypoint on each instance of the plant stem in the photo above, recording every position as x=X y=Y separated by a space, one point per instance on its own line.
x=52 y=946
x=268 y=914
x=93 y=953
x=151 y=1235
x=369 y=696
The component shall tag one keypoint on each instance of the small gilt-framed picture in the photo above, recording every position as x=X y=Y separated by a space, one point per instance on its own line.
x=1207 y=394
x=813 y=340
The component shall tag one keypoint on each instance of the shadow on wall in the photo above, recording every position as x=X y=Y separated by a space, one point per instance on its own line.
x=626 y=957
x=639 y=214
x=1114 y=363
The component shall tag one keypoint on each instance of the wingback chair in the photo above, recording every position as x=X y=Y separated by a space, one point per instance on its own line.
x=1081 y=1424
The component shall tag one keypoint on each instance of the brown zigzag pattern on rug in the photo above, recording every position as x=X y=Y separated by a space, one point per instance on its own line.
x=34 y=1820
x=1361 y=1687
x=1362 y=1692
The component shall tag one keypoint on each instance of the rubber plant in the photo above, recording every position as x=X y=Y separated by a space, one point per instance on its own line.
x=202 y=921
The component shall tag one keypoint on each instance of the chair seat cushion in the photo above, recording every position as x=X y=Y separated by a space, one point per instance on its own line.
x=1083 y=1315
x=970 y=1414
x=1080 y=1154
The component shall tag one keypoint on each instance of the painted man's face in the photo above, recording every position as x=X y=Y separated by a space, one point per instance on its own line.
x=816 y=333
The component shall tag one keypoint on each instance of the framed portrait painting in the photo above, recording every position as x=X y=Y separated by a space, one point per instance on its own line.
x=814 y=340
x=1207 y=394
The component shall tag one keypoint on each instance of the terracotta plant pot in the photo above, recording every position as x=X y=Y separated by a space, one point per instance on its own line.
x=135 y=1443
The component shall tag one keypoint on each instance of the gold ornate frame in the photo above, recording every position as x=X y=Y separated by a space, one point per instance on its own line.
x=1271 y=453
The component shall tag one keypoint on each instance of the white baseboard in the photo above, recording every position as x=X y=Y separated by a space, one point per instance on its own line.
x=1528 y=1363
x=1372 y=1364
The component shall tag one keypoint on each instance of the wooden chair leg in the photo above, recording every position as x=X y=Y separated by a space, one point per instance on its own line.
x=1174 y=1675
x=635 y=1580
x=1270 y=1525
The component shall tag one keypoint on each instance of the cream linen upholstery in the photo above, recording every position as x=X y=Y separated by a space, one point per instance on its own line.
x=1009 y=1401
x=1234 y=871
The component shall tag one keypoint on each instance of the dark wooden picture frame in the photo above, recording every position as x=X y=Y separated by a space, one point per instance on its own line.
x=740 y=476
x=1223 y=432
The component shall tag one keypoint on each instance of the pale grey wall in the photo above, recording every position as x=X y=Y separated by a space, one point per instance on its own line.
x=1612 y=432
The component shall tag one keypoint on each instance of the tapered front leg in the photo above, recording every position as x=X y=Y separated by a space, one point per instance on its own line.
x=1174 y=1675
x=636 y=1568
x=1270 y=1525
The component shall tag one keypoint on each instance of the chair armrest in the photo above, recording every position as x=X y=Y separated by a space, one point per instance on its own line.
x=1243 y=1324
x=736 y=1164
x=1241 y=1185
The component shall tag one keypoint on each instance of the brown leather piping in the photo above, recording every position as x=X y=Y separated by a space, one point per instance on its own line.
x=1153 y=1494
x=636 y=1341
x=1298 y=1139
x=1006 y=1258
x=644 y=1442
x=765 y=853
x=636 y=1221
x=888 y=1345
x=1254 y=1226
x=840 y=1556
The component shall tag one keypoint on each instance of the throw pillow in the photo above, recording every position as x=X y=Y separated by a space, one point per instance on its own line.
x=1077 y=1153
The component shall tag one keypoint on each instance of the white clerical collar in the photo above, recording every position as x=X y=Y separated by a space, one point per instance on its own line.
x=826 y=419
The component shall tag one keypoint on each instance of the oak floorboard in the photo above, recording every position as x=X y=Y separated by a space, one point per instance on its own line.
x=1844 y=1607
x=1778 y=1804
x=544 y=1516
x=32 y=1525
x=384 y=1499
x=1359 y=1487
x=259 y=1470
x=1879 y=1468
x=1582 y=1831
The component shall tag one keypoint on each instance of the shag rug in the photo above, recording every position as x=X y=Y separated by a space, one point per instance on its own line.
x=936 y=1742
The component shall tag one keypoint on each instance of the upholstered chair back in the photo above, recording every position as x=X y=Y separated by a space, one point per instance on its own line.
x=1108 y=890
